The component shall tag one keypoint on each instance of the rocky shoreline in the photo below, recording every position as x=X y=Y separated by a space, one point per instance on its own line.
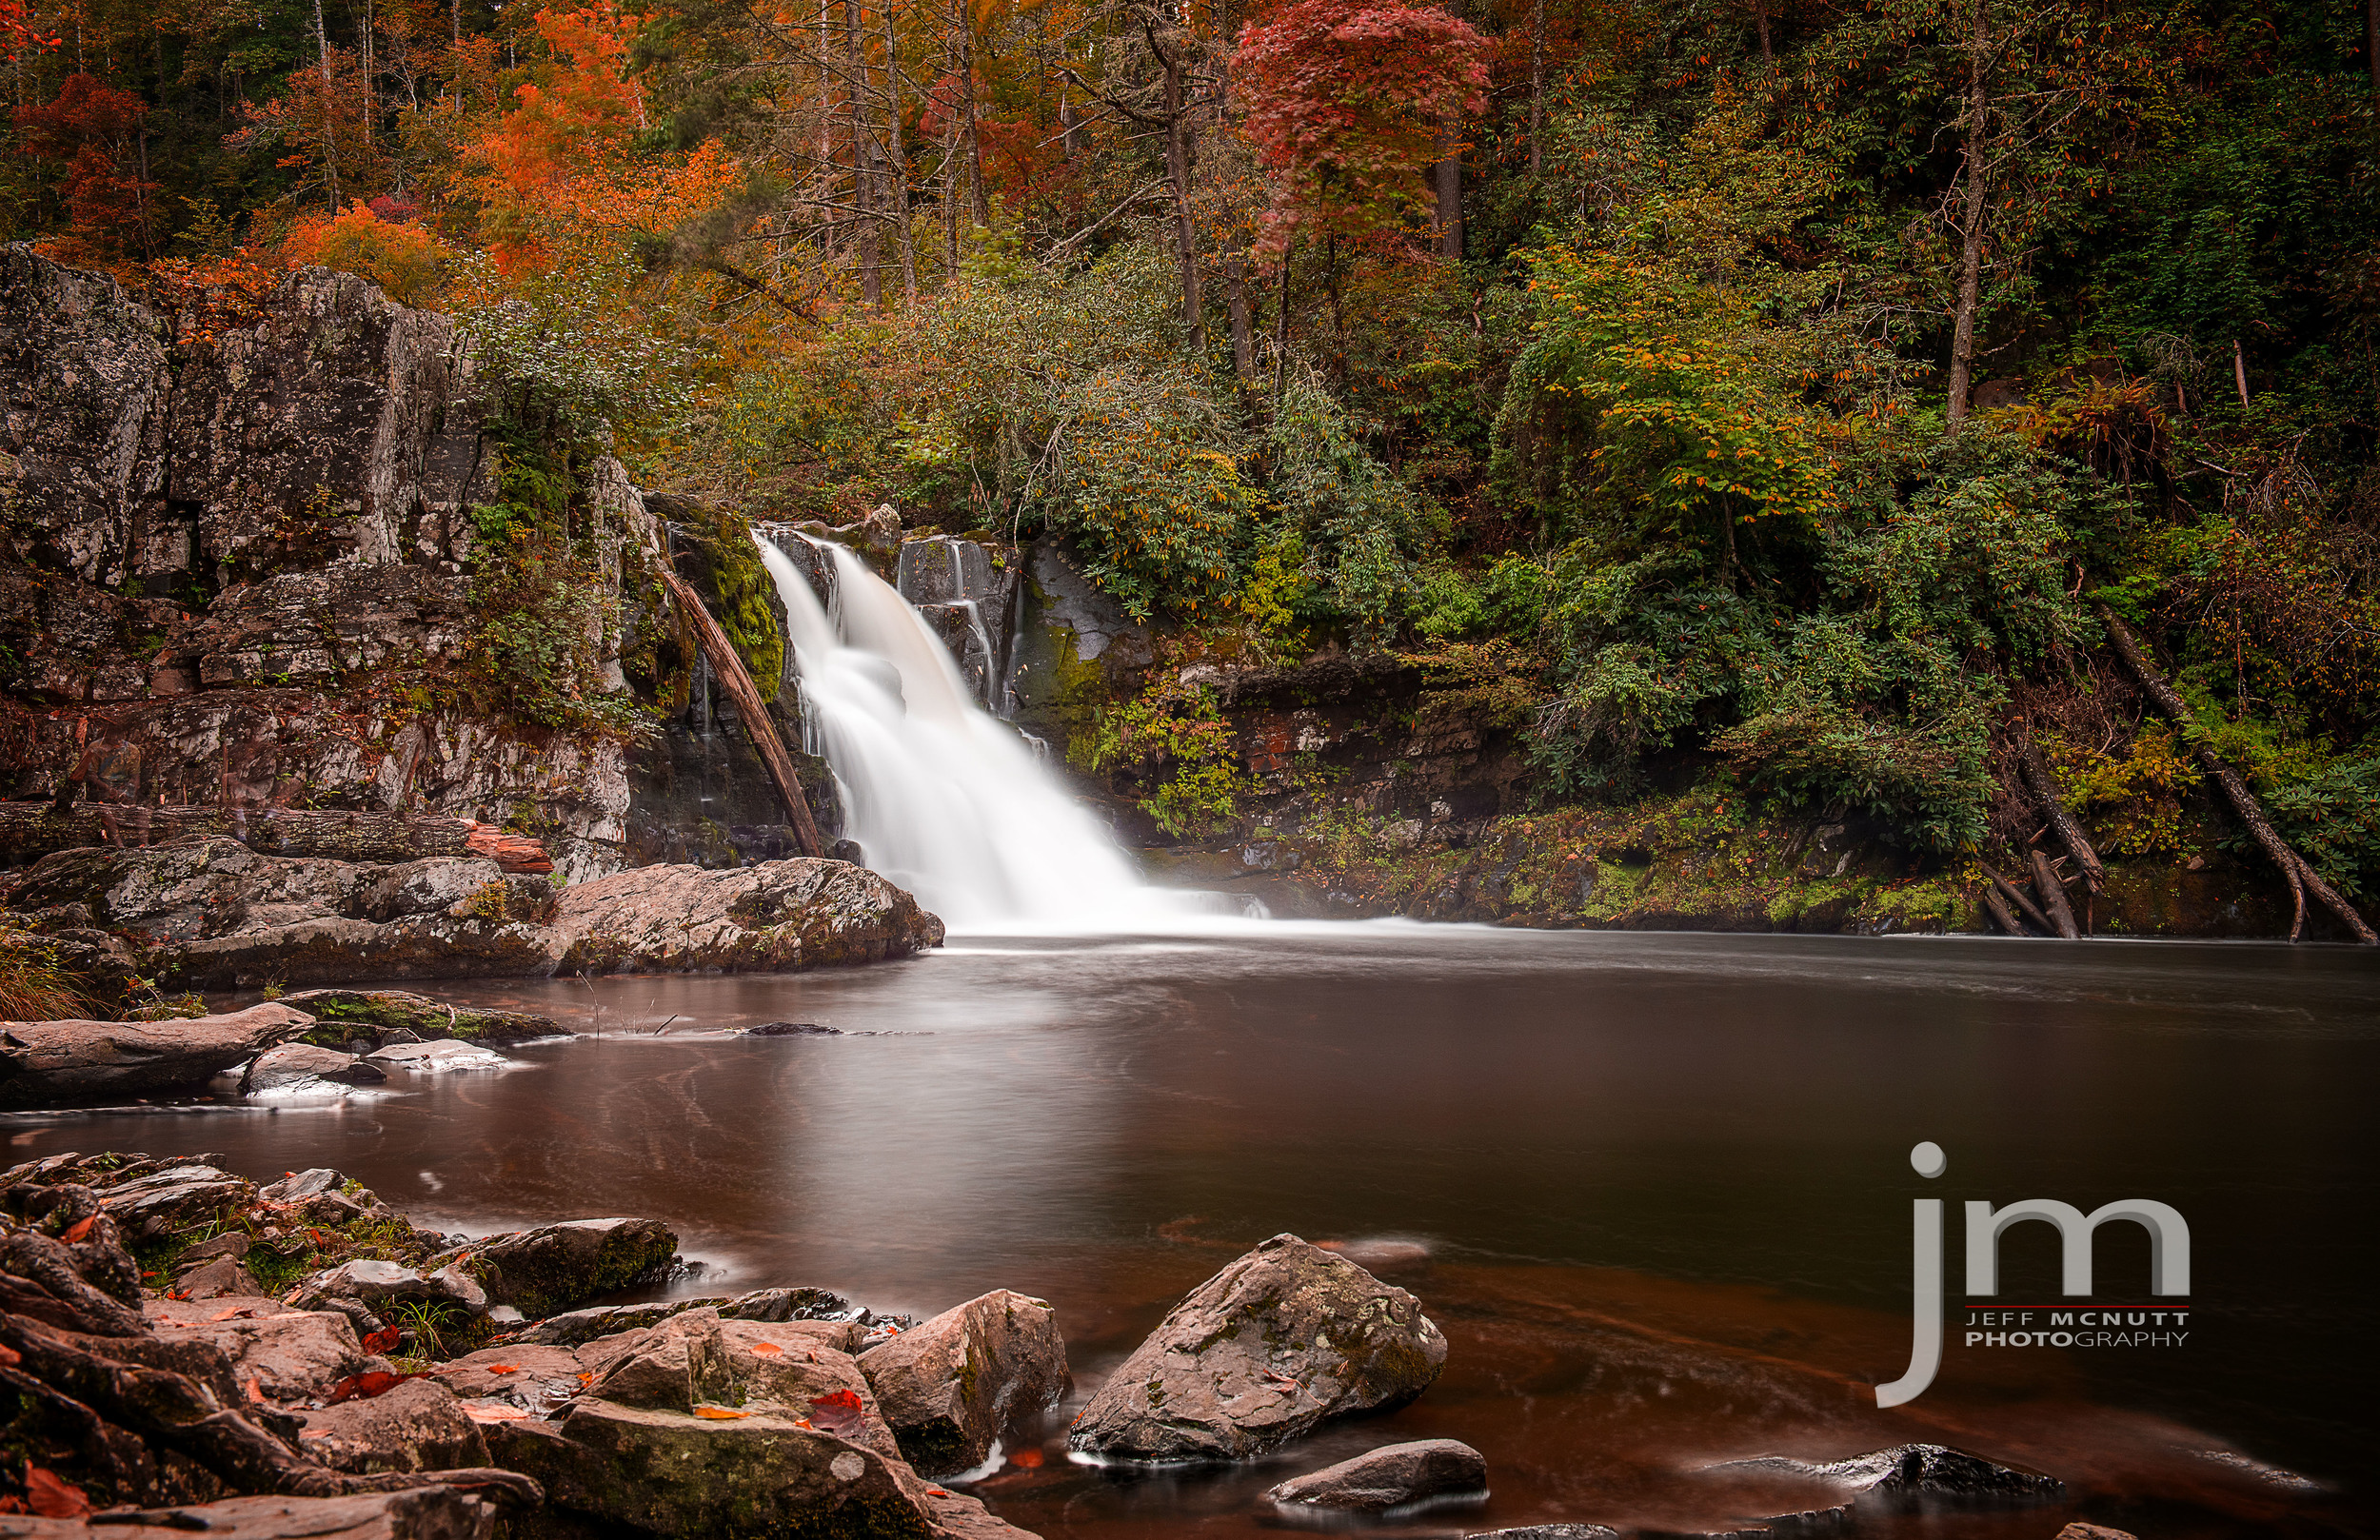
x=187 y=1349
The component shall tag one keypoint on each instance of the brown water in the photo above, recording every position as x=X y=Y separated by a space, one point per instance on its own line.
x=1655 y=1189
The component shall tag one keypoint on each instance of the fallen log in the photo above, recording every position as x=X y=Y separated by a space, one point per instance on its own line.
x=2001 y=915
x=2302 y=878
x=2017 y=895
x=31 y=830
x=757 y=726
x=2036 y=770
x=2053 y=893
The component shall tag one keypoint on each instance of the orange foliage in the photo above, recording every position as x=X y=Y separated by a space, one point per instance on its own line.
x=404 y=259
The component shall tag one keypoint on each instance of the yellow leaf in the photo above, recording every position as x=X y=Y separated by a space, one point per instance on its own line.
x=719 y=1413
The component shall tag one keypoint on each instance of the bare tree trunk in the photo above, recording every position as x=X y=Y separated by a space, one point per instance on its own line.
x=1235 y=299
x=900 y=162
x=330 y=130
x=2012 y=893
x=1446 y=184
x=1280 y=330
x=1536 y=87
x=862 y=148
x=1177 y=166
x=2302 y=878
x=1760 y=19
x=2037 y=773
x=2001 y=915
x=975 y=141
x=455 y=10
x=1972 y=204
x=2371 y=42
x=2240 y=372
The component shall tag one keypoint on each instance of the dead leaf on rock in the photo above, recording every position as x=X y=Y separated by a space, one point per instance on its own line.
x=492 y=1412
x=235 y=1312
x=384 y=1339
x=837 y=1411
x=720 y=1414
x=365 y=1385
x=51 y=1496
x=76 y=1230
x=504 y=1369
x=766 y=1350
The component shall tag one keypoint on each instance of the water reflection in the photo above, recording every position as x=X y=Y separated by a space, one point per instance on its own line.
x=1657 y=1182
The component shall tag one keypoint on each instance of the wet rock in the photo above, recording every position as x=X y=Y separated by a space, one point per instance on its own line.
x=383 y=1014
x=774 y=917
x=292 y=1066
x=42 y=1063
x=323 y=1197
x=759 y=1475
x=529 y=1378
x=1550 y=1531
x=952 y=1385
x=1261 y=1353
x=377 y=1284
x=790 y=1029
x=672 y=1366
x=559 y=1266
x=815 y=1306
x=416 y=1426
x=439 y=1057
x=222 y=1279
x=291 y=1356
x=1389 y=1477
x=1918 y=1475
x=178 y=1198
x=2094 y=1532
x=432 y=1512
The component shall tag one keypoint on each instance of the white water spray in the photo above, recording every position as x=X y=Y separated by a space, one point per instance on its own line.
x=943 y=798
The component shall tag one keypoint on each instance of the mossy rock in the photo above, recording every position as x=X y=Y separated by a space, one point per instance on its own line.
x=341 y=1014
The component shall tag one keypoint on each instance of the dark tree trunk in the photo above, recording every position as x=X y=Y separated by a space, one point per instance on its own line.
x=1975 y=199
x=1177 y=167
x=2037 y=773
x=754 y=709
x=31 y=830
x=2053 y=893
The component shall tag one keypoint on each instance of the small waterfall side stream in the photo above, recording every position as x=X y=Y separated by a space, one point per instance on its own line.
x=943 y=798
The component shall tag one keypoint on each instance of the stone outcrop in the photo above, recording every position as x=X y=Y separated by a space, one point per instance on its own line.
x=556 y=1267
x=1917 y=1473
x=215 y=915
x=418 y=1425
x=43 y=1062
x=1282 y=1339
x=297 y=1066
x=435 y=1513
x=1389 y=1477
x=952 y=1385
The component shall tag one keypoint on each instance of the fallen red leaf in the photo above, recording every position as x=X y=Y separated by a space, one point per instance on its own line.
x=837 y=1411
x=766 y=1350
x=233 y=1313
x=504 y=1369
x=367 y=1384
x=936 y=1491
x=177 y=1293
x=75 y=1231
x=52 y=1497
x=384 y=1339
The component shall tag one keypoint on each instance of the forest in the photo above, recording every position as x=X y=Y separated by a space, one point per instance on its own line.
x=1899 y=408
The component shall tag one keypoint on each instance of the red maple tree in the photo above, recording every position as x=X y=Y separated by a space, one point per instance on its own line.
x=94 y=130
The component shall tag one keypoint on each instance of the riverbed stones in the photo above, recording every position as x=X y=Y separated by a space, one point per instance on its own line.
x=445 y=1056
x=431 y=1512
x=672 y=1366
x=289 y=1355
x=2094 y=1532
x=951 y=1385
x=48 y=1061
x=178 y=1198
x=1282 y=1339
x=418 y=1425
x=1550 y=1531
x=842 y=1324
x=1389 y=1477
x=559 y=1266
x=297 y=1066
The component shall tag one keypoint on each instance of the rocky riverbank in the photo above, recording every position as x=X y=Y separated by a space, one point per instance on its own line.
x=182 y=1345
x=208 y=913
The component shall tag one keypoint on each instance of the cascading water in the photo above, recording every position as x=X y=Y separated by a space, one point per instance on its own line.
x=943 y=798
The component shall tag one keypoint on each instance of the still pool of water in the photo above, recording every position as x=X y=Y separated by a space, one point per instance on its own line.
x=1654 y=1188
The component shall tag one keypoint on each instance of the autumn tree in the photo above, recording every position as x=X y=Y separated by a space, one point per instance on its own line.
x=94 y=131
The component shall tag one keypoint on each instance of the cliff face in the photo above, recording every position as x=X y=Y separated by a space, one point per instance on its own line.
x=236 y=555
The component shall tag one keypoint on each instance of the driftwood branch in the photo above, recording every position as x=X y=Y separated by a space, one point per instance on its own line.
x=757 y=725
x=2011 y=893
x=31 y=830
x=2001 y=915
x=2302 y=878
x=2036 y=770
x=2052 y=893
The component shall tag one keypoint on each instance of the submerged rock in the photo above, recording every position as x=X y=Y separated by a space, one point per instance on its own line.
x=1389 y=1477
x=46 y=1062
x=1918 y=1474
x=1282 y=1339
x=952 y=1385
x=559 y=1266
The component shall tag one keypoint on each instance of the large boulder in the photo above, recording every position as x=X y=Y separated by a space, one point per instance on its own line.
x=770 y=917
x=176 y=1199
x=344 y=1016
x=763 y=1474
x=1282 y=1339
x=554 y=1268
x=419 y=1424
x=301 y=1066
x=951 y=1385
x=288 y=1355
x=1927 y=1475
x=42 y=1063
x=1389 y=1477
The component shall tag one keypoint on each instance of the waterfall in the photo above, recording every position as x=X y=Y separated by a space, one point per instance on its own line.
x=943 y=798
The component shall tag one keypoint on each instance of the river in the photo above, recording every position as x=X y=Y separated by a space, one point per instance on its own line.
x=1654 y=1188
